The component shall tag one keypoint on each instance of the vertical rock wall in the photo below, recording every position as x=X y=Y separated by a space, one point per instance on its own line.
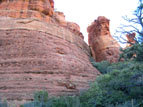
x=102 y=44
x=39 y=53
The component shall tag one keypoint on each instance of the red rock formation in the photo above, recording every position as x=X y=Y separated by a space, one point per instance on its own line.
x=102 y=44
x=130 y=39
x=40 y=9
x=36 y=54
x=60 y=18
x=73 y=27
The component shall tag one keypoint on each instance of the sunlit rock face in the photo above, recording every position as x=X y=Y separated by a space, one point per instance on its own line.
x=41 y=9
x=102 y=44
x=40 y=54
x=73 y=27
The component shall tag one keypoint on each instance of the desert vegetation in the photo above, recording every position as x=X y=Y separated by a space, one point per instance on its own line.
x=119 y=85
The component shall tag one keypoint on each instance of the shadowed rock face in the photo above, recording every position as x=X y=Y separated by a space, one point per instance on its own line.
x=102 y=44
x=36 y=54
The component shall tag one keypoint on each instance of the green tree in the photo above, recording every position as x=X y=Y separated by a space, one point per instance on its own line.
x=135 y=25
x=123 y=85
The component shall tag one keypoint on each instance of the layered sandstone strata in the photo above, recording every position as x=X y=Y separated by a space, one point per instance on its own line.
x=102 y=44
x=73 y=27
x=38 y=54
x=41 y=9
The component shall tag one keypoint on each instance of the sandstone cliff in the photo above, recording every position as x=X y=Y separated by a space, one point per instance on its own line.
x=39 y=50
x=102 y=44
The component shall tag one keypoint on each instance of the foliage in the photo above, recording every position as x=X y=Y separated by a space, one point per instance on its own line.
x=41 y=96
x=121 y=84
x=117 y=87
x=135 y=52
x=67 y=101
x=121 y=87
x=41 y=100
x=101 y=66
x=106 y=67
x=135 y=25
x=3 y=104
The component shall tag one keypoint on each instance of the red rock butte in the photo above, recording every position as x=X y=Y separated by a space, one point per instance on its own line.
x=102 y=44
x=40 y=50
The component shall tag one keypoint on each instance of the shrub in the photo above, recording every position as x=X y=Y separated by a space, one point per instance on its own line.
x=41 y=100
x=121 y=86
x=117 y=87
x=101 y=66
x=41 y=96
x=135 y=52
x=67 y=101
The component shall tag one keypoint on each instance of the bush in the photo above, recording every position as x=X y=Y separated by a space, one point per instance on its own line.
x=135 y=52
x=41 y=96
x=121 y=86
x=100 y=66
x=106 y=67
x=117 y=87
x=67 y=101
x=41 y=100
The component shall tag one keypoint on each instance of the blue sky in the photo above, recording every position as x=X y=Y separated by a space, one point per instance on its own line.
x=84 y=12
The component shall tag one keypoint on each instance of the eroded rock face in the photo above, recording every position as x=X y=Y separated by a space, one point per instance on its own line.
x=60 y=18
x=130 y=39
x=41 y=9
x=73 y=27
x=36 y=54
x=102 y=44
